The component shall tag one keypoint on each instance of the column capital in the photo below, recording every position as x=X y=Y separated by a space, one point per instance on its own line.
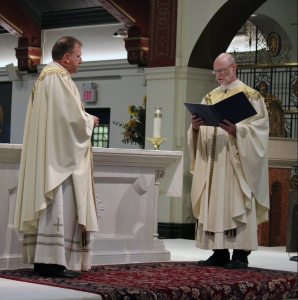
x=28 y=56
x=137 y=47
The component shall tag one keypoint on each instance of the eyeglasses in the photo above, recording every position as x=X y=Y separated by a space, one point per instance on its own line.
x=219 y=71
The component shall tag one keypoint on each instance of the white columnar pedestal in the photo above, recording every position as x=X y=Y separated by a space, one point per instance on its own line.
x=158 y=176
x=128 y=183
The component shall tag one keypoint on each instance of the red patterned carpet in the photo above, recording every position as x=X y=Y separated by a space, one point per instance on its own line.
x=172 y=280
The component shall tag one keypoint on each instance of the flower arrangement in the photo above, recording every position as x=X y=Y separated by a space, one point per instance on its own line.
x=134 y=129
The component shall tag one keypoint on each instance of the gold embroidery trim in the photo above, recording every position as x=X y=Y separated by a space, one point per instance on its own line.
x=208 y=99
x=212 y=163
x=51 y=72
x=213 y=148
x=44 y=74
x=254 y=95
x=217 y=96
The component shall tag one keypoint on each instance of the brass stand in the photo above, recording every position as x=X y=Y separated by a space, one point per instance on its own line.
x=156 y=141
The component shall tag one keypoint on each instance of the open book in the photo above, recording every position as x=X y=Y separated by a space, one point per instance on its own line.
x=234 y=109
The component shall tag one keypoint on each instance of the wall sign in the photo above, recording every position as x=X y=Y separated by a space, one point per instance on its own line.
x=89 y=93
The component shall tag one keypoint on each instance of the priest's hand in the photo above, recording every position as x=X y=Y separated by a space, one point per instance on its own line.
x=96 y=121
x=196 y=122
x=229 y=127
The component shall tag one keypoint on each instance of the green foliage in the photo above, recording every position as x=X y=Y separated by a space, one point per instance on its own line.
x=134 y=129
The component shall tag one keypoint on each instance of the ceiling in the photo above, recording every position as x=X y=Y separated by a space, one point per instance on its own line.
x=52 y=14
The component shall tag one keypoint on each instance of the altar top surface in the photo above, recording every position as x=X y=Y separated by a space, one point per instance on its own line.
x=106 y=156
x=165 y=161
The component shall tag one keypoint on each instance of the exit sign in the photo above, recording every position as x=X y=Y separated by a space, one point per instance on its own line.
x=88 y=95
x=89 y=92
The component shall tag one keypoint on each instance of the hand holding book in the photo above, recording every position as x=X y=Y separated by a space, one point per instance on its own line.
x=229 y=127
x=234 y=109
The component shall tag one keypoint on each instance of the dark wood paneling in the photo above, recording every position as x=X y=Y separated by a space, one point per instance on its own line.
x=176 y=231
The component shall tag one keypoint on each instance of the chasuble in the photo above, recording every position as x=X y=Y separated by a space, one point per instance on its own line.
x=56 y=146
x=230 y=188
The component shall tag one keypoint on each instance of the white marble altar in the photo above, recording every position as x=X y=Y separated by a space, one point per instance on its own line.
x=128 y=183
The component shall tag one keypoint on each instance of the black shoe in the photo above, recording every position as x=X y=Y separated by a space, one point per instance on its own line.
x=219 y=258
x=59 y=274
x=294 y=258
x=67 y=274
x=53 y=270
x=236 y=264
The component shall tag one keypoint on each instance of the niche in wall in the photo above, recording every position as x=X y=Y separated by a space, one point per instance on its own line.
x=101 y=133
x=5 y=111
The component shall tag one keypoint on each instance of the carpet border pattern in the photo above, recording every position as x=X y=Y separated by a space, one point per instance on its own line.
x=172 y=280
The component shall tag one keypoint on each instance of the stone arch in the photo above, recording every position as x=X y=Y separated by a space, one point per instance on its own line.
x=229 y=18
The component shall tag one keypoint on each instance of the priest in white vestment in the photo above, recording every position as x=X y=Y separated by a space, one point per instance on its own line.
x=230 y=189
x=55 y=207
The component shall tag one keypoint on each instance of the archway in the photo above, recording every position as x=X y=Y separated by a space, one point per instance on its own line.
x=212 y=41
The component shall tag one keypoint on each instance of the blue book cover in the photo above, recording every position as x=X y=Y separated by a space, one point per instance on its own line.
x=234 y=109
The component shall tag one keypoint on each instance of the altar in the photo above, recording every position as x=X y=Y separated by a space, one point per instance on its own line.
x=128 y=183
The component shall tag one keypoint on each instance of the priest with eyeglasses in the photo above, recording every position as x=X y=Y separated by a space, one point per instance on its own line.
x=230 y=189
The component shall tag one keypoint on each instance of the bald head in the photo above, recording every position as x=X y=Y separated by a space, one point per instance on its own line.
x=225 y=57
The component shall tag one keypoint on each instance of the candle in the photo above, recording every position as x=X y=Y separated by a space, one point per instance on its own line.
x=157 y=122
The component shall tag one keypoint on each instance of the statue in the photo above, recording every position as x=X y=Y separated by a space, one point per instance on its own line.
x=275 y=112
